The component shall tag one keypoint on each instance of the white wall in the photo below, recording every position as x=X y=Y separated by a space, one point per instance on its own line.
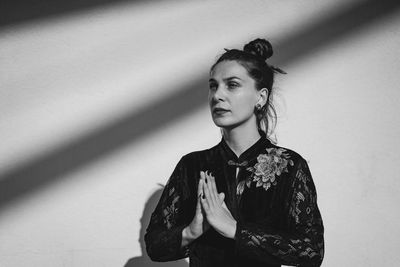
x=67 y=80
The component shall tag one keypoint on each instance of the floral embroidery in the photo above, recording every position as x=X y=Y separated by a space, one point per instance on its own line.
x=268 y=166
x=299 y=198
x=169 y=212
x=281 y=246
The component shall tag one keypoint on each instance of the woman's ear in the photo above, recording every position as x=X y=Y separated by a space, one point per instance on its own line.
x=262 y=100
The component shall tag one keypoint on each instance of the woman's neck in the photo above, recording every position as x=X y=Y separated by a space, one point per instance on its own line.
x=240 y=139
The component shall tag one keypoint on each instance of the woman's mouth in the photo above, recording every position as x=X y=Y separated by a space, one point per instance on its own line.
x=219 y=111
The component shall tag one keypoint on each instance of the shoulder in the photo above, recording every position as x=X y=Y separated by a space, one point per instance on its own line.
x=289 y=157
x=298 y=171
x=286 y=152
x=200 y=154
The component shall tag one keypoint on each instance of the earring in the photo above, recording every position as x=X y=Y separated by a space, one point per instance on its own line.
x=258 y=107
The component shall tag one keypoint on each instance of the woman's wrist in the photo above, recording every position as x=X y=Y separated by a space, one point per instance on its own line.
x=187 y=236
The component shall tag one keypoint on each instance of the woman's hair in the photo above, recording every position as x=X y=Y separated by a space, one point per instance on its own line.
x=253 y=58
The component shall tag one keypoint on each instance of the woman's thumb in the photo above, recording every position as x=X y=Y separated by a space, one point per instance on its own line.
x=221 y=196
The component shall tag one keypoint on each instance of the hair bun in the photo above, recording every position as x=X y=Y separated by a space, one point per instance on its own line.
x=259 y=47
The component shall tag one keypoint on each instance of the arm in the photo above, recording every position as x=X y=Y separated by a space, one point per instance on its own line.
x=302 y=244
x=163 y=236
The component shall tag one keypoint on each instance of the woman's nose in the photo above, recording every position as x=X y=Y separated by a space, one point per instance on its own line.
x=218 y=94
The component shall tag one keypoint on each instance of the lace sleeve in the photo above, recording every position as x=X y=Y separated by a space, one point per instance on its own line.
x=302 y=244
x=163 y=236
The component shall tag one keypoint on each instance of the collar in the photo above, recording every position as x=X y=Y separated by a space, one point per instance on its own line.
x=250 y=153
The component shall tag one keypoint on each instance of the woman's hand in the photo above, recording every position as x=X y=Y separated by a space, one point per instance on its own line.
x=199 y=224
x=216 y=212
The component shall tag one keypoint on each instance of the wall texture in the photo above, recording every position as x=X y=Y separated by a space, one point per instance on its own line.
x=97 y=105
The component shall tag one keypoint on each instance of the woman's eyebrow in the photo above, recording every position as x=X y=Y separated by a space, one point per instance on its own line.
x=225 y=79
x=232 y=78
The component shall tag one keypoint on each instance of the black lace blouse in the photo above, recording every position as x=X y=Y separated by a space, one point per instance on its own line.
x=269 y=191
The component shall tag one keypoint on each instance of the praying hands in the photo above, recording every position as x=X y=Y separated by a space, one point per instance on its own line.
x=215 y=209
x=211 y=211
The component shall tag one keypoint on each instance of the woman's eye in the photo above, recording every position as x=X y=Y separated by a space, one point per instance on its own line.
x=212 y=86
x=233 y=85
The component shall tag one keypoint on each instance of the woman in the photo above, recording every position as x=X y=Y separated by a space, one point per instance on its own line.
x=245 y=201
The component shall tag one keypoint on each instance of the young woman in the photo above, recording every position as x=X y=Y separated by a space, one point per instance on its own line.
x=245 y=201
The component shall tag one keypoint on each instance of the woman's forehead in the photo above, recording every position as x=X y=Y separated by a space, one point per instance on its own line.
x=228 y=69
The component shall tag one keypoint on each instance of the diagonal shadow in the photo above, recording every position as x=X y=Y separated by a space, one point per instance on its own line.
x=340 y=24
x=51 y=167
x=14 y=12
x=88 y=148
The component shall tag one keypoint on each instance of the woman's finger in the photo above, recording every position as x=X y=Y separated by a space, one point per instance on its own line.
x=199 y=196
x=208 y=194
x=205 y=205
x=200 y=186
x=213 y=189
x=206 y=190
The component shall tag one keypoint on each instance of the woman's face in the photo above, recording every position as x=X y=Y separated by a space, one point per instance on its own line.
x=232 y=96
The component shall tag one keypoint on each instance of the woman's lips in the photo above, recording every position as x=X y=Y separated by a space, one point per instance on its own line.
x=220 y=111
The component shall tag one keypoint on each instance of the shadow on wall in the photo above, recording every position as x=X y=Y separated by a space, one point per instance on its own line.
x=51 y=167
x=42 y=171
x=25 y=11
x=144 y=260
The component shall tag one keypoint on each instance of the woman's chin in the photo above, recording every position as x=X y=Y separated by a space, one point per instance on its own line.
x=223 y=123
